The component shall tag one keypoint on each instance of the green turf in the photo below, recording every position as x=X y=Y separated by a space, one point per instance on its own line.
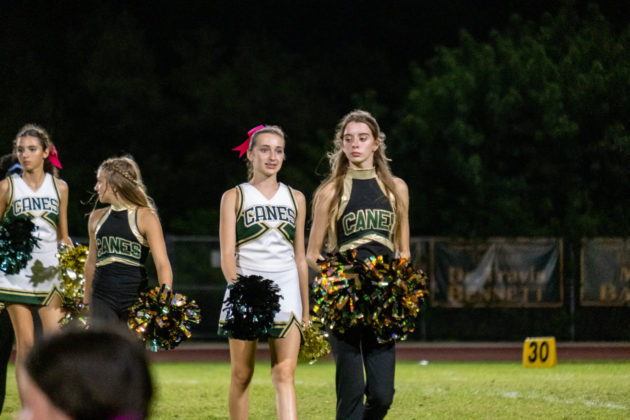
x=436 y=390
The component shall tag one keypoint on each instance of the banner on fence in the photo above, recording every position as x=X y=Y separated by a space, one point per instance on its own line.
x=519 y=273
x=605 y=268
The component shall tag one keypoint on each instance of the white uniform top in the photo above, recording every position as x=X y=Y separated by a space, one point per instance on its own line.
x=36 y=282
x=265 y=229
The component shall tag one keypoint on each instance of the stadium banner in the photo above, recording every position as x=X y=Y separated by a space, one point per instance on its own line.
x=497 y=272
x=605 y=272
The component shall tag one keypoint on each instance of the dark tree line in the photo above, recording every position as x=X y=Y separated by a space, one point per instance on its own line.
x=525 y=134
x=510 y=126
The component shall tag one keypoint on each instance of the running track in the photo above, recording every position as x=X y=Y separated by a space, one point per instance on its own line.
x=416 y=351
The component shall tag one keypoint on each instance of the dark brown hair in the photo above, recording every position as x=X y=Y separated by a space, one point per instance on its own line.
x=94 y=374
x=34 y=130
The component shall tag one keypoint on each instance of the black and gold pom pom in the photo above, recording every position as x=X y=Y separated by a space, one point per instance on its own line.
x=163 y=319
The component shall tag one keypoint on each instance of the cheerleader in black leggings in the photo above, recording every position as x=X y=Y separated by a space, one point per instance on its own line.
x=362 y=207
x=121 y=236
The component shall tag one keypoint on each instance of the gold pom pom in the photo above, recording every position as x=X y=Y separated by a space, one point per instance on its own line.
x=71 y=265
x=315 y=343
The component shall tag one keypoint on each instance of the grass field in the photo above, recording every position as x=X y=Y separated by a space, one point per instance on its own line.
x=436 y=390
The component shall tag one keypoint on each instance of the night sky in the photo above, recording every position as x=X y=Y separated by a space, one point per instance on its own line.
x=178 y=84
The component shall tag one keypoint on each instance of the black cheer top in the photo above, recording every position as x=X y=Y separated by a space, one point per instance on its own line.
x=365 y=218
x=121 y=255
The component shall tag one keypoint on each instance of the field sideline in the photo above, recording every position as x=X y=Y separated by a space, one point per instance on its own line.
x=416 y=351
x=439 y=390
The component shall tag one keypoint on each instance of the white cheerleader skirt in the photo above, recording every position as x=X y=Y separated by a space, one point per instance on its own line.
x=35 y=284
x=290 y=305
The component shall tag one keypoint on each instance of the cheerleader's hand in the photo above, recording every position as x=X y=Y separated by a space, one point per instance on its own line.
x=65 y=242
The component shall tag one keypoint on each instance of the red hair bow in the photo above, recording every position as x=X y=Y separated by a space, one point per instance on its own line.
x=53 y=157
x=242 y=149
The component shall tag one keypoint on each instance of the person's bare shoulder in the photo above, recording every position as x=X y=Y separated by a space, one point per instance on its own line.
x=299 y=196
x=401 y=186
x=61 y=185
x=95 y=216
x=4 y=187
x=229 y=194
x=326 y=193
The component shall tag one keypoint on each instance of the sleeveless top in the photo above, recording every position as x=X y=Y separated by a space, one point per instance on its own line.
x=121 y=252
x=42 y=205
x=265 y=229
x=36 y=283
x=365 y=217
x=118 y=239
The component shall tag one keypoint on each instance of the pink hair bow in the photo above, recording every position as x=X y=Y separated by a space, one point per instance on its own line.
x=53 y=157
x=242 y=149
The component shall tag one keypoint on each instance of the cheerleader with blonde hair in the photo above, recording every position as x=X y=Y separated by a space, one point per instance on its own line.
x=121 y=236
x=262 y=233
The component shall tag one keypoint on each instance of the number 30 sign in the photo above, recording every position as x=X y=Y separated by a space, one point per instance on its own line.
x=539 y=352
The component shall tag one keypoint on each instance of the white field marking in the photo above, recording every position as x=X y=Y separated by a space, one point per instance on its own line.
x=589 y=403
x=430 y=391
x=605 y=405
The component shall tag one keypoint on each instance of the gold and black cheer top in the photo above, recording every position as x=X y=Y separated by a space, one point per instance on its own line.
x=366 y=218
x=118 y=239
x=121 y=254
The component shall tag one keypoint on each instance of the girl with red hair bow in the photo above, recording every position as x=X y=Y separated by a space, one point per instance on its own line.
x=262 y=234
x=40 y=195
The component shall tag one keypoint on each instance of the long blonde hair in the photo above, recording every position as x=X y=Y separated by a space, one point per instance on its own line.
x=123 y=176
x=34 y=130
x=339 y=163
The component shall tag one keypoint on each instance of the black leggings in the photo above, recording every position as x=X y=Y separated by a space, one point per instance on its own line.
x=353 y=352
x=116 y=289
x=106 y=311
x=6 y=345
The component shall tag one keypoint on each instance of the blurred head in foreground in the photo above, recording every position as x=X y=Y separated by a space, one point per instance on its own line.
x=95 y=374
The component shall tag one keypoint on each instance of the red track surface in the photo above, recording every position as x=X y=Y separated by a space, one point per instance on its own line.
x=416 y=351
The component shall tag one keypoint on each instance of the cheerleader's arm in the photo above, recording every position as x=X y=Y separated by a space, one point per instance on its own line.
x=4 y=196
x=323 y=199
x=90 y=261
x=300 y=255
x=62 y=226
x=150 y=227
x=402 y=244
x=227 y=234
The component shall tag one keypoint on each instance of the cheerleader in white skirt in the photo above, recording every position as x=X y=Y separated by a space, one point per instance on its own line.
x=37 y=192
x=262 y=233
